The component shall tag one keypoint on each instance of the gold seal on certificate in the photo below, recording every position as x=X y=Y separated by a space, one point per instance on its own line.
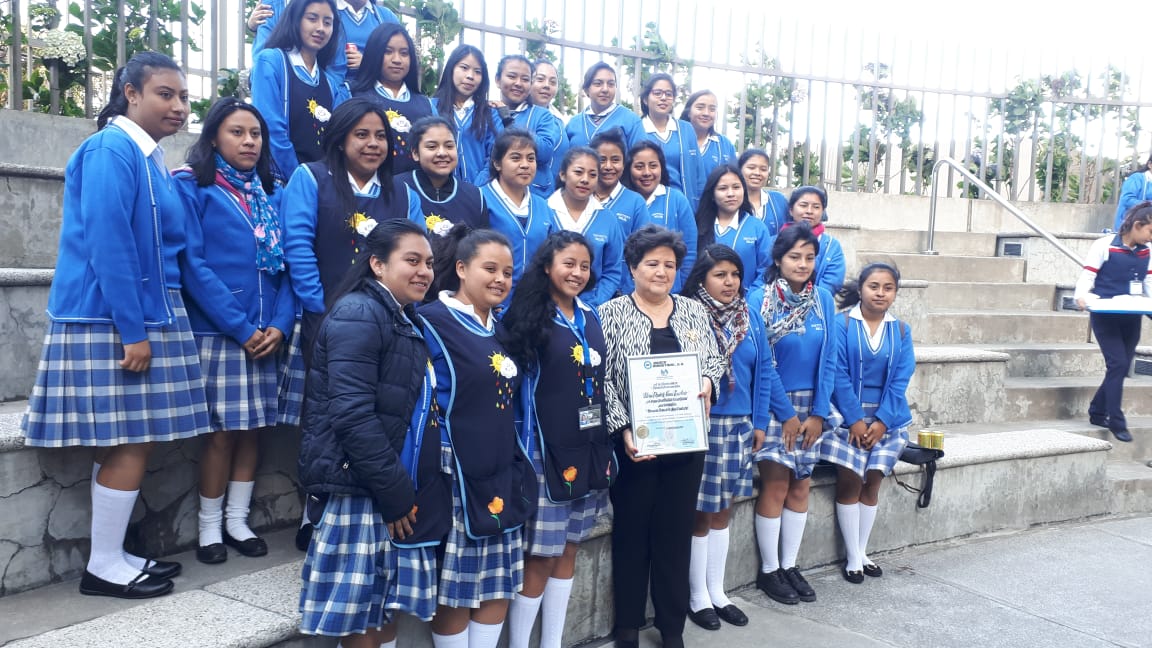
x=667 y=412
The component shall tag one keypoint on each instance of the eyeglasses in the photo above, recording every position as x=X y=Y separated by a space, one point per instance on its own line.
x=662 y=94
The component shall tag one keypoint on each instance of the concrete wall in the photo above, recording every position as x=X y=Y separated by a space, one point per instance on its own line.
x=38 y=140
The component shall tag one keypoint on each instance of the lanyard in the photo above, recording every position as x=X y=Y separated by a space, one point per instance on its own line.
x=577 y=328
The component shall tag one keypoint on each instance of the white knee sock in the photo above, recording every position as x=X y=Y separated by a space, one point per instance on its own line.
x=717 y=561
x=791 y=533
x=848 y=518
x=768 y=539
x=111 y=511
x=131 y=559
x=556 y=594
x=211 y=513
x=236 y=510
x=521 y=618
x=451 y=641
x=867 y=519
x=484 y=635
x=698 y=598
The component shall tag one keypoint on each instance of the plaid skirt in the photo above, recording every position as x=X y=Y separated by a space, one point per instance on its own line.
x=835 y=448
x=83 y=398
x=728 y=464
x=241 y=392
x=354 y=577
x=558 y=523
x=799 y=460
x=473 y=571
x=292 y=374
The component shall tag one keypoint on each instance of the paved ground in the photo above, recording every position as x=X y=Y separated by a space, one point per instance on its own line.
x=1085 y=584
x=1077 y=585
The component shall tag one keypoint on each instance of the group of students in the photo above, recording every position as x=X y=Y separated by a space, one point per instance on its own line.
x=465 y=415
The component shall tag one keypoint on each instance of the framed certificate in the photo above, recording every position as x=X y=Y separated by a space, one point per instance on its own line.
x=667 y=412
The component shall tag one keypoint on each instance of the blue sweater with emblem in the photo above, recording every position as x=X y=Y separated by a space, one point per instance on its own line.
x=581 y=128
x=754 y=388
x=670 y=210
x=881 y=376
x=751 y=240
x=525 y=235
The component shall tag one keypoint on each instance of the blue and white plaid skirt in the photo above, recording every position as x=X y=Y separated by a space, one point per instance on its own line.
x=354 y=577
x=292 y=374
x=836 y=448
x=728 y=464
x=83 y=398
x=473 y=571
x=799 y=460
x=242 y=393
x=557 y=524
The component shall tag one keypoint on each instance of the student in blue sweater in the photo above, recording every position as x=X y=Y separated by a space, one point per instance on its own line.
x=444 y=199
x=293 y=86
x=493 y=483
x=325 y=201
x=524 y=218
x=358 y=18
x=396 y=86
x=603 y=113
x=799 y=316
x=876 y=362
x=577 y=211
x=746 y=398
x=242 y=312
x=700 y=110
x=667 y=207
x=1116 y=265
x=806 y=205
x=768 y=205
x=462 y=97
x=657 y=100
x=725 y=217
x=545 y=85
x=514 y=80
x=626 y=205
x=1136 y=189
x=119 y=369
x=551 y=332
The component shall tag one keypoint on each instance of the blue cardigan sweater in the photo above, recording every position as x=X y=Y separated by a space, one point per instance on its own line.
x=758 y=390
x=473 y=154
x=853 y=352
x=580 y=130
x=750 y=239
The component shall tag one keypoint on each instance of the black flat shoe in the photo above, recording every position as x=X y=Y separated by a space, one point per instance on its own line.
x=776 y=587
x=212 y=554
x=252 y=547
x=1122 y=434
x=141 y=587
x=162 y=568
x=803 y=590
x=732 y=615
x=304 y=536
x=705 y=618
x=873 y=570
x=854 y=577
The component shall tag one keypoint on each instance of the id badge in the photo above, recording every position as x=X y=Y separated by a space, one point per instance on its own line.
x=1136 y=288
x=590 y=416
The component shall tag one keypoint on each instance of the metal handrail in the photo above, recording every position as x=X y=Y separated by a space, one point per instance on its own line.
x=1001 y=200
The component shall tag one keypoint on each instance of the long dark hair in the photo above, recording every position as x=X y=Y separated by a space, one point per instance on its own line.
x=707 y=210
x=711 y=255
x=504 y=143
x=570 y=156
x=786 y=240
x=202 y=154
x=686 y=114
x=379 y=243
x=374 y=59
x=343 y=120
x=136 y=71
x=459 y=244
x=286 y=34
x=640 y=147
x=527 y=324
x=648 y=87
x=446 y=92
x=849 y=294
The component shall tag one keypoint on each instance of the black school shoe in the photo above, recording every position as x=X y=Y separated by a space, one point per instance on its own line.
x=1121 y=434
x=1098 y=421
x=212 y=554
x=854 y=577
x=775 y=586
x=252 y=547
x=732 y=615
x=873 y=570
x=706 y=618
x=162 y=568
x=803 y=590
x=141 y=587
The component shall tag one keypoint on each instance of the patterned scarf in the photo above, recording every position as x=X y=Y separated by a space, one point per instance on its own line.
x=784 y=311
x=265 y=227
x=729 y=324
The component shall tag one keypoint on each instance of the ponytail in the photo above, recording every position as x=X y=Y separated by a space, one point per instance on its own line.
x=849 y=295
x=460 y=244
x=136 y=71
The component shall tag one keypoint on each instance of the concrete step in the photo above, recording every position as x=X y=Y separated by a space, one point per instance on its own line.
x=988 y=296
x=1001 y=327
x=1139 y=450
x=1131 y=486
x=955 y=384
x=23 y=322
x=987 y=269
x=916 y=241
x=1044 y=360
x=32 y=200
x=1028 y=399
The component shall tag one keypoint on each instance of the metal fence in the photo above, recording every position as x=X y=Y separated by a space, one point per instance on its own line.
x=831 y=108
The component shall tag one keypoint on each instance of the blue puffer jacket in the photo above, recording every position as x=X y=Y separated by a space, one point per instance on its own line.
x=368 y=367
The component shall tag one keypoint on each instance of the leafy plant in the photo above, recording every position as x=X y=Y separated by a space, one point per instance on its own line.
x=661 y=57
x=536 y=49
x=437 y=23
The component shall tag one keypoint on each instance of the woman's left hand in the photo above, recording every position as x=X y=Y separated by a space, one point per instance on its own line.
x=706 y=394
x=875 y=432
x=811 y=429
x=272 y=339
x=402 y=528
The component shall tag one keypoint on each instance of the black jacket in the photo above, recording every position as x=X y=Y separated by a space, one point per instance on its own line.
x=367 y=371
